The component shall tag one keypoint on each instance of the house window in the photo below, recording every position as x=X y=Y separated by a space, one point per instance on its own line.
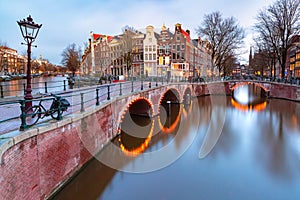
x=182 y=46
x=161 y=49
x=178 y=47
x=167 y=49
x=178 y=38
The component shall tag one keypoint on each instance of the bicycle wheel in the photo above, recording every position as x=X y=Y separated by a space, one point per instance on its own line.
x=33 y=114
x=55 y=113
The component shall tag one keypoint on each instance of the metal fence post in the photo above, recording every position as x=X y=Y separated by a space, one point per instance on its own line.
x=59 y=116
x=46 y=91
x=120 y=89
x=82 y=103
x=142 y=84
x=131 y=86
x=97 y=96
x=1 y=88
x=64 y=85
x=108 y=92
x=150 y=84
x=23 y=116
x=156 y=81
x=24 y=88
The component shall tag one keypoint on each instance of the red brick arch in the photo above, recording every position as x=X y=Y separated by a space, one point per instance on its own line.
x=238 y=84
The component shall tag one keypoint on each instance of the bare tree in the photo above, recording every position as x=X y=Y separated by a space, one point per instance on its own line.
x=264 y=57
x=230 y=63
x=276 y=24
x=35 y=66
x=71 y=58
x=128 y=46
x=3 y=59
x=225 y=37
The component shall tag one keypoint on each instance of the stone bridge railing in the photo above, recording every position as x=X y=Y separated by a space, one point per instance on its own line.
x=36 y=162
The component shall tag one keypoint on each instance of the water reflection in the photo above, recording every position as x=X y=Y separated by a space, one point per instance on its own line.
x=133 y=144
x=249 y=94
x=249 y=97
x=249 y=107
x=16 y=87
x=169 y=116
x=256 y=157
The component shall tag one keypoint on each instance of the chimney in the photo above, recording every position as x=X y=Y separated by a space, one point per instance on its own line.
x=177 y=27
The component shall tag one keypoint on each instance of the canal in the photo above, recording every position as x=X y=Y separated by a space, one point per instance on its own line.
x=216 y=147
x=16 y=87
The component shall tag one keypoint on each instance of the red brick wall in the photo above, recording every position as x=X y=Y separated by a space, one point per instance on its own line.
x=284 y=91
x=19 y=177
x=33 y=168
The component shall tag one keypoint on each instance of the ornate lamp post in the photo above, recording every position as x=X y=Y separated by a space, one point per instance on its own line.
x=29 y=31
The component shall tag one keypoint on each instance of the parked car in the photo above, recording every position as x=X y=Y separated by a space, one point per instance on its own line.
x=119 y=78
x=5 y=78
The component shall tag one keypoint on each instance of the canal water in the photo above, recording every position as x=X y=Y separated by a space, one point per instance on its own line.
x=216 y=147
x=16 y=87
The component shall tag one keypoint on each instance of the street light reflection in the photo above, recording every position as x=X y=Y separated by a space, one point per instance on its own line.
x=135 y=151
x=249 y=107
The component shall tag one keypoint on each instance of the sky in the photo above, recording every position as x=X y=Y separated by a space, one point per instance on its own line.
x=70 y=21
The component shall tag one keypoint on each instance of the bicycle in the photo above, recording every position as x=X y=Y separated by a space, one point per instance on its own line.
x=36 y=112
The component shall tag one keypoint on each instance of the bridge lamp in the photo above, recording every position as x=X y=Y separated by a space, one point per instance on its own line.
x=29 y=31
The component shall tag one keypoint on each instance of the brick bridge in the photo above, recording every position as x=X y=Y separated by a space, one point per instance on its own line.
x=35 y=162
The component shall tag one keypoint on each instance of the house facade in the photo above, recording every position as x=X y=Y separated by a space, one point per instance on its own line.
x=149 y=54
x=11 y=62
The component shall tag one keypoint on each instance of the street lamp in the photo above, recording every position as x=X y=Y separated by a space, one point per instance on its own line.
x=29 y=31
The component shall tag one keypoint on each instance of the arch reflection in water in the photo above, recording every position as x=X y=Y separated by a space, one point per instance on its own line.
x=136 y=128
x=249 y=97
x=249 y=107
x=169 y=116
x=187 y=102
x=169 y=111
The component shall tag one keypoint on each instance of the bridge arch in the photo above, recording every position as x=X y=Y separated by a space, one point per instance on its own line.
x=172 y=95
x=130 y=140
x=140 y=106
x=238 y=84
x=187 y=96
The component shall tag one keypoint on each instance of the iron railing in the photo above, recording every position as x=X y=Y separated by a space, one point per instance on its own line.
x=13 y=113
x=79 y=101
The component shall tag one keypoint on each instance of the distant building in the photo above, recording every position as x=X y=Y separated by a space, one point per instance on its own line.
x=263 y=63
x=11 y=62
x=150 y=52
x=203 y=61
x=164 y=51
x=181 y=52
x=293 y=59
x=138 y=54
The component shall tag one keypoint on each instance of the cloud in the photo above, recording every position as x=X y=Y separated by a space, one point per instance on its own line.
x=70 y=21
